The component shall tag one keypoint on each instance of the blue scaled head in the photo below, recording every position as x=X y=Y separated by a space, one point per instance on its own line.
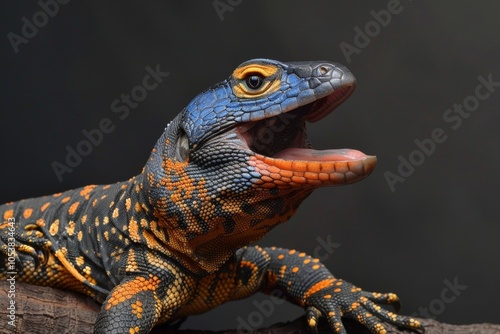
x=263 y=88
x=237 y=158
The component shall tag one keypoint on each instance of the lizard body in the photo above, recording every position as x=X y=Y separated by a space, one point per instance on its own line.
x=172 y=241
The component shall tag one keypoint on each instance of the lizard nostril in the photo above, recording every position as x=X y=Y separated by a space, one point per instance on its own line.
x=323 y=70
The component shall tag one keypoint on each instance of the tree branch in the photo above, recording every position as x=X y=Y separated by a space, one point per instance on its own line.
x=44 y=310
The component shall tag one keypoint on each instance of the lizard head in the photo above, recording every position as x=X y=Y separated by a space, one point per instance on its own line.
x=236 y=161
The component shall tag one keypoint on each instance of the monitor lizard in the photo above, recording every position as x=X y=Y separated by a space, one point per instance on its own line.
x=175 y=240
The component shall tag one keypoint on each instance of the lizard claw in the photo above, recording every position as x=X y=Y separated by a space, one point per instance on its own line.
x=333 y=318
x=383 y=298
x=342 y=299
x=312 y=316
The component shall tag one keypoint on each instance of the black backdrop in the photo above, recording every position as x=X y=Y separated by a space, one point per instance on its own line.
x=438 y=228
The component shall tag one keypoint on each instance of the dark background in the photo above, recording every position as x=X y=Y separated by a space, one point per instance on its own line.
x=440 y=224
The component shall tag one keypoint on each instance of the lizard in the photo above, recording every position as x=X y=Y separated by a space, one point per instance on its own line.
x=177 y=239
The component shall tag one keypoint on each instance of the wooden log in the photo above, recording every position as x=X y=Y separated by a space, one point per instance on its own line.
x=46 y=310
x=43 y=310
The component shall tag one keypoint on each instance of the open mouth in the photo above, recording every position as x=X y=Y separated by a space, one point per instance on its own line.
x=284 y=157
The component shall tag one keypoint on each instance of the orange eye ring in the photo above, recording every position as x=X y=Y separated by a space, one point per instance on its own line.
x=255 y=80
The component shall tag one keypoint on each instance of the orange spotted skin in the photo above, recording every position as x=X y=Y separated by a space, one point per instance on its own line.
x=172 y=241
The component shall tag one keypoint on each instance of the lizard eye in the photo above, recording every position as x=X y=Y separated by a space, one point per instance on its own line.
x=182 y=146
x=254 y=81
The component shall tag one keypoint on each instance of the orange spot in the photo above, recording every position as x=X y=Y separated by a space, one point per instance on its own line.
x=291 y=252
x=281 y=256
x=70 y=229
x=319 y=286
x=327 y=296
x=137 y=207
x=65 y=199
x=86 y=190
x=282 y=271
x=306 y=261
x=73 y=208
x=45 y=206
x=54 y=227
x=80 y=261
x=137 y=309
x=8 y=214
x=295 y=269
x=27 y=213
x=316 y=266
x=133 y=228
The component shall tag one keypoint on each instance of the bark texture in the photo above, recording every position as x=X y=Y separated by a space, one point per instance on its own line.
x=44 y=310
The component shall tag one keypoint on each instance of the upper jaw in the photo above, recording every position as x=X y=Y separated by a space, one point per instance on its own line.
x=330 y=84
x=285 y=157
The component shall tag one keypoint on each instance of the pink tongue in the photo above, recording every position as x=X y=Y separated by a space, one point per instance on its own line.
x=306 y=154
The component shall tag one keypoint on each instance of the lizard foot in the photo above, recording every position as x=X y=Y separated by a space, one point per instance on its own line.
x=342 y=299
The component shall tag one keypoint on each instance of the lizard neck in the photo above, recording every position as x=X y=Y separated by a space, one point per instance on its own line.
x=204 y=224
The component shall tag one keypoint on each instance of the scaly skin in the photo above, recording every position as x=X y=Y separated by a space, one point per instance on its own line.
x=171 y=241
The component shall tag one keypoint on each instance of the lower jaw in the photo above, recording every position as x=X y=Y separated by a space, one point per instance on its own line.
x=285 y=173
